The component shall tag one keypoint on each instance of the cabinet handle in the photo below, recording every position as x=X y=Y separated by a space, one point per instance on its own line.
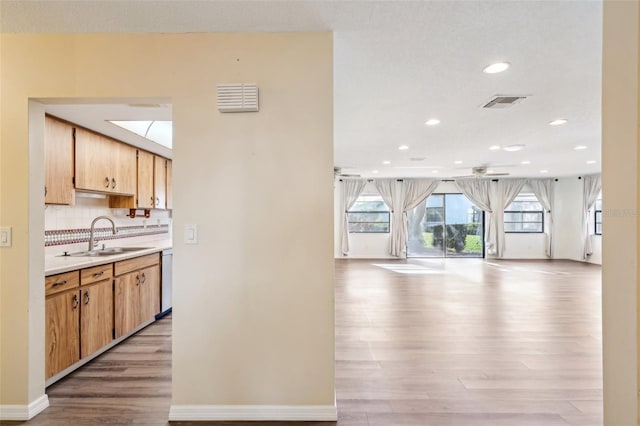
x=86 y=297
x=144 y=278
x=106 y=182
x=97 y=274
x=56 y=284
x=75 y=301
x=137 y=279
x=45 y=190
x=152 y=200
x=113 y=183
x=157 y=201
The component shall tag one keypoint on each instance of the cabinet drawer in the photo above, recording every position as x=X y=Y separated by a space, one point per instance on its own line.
x=95 y=274
x=61 y=282
x=136 y=263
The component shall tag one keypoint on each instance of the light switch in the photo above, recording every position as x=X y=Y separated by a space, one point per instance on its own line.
x=5 y=236
x=191 y=234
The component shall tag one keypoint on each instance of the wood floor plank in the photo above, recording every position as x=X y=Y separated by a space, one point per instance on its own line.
x=418 y=342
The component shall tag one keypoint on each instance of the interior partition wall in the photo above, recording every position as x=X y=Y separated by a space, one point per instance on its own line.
x=445 y=225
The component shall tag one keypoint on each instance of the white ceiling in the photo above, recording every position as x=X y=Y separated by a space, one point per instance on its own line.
x=398 y=63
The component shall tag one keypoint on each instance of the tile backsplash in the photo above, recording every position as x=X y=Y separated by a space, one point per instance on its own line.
x=70 y=224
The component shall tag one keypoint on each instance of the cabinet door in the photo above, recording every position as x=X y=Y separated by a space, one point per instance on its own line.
x=123 y=166
x=127 y=303
x=145 y=195
x=96 y=316
x=62 y=337
x=169 y=184
x=94 y=154
x=58 y=162
x=160 y=183
x=149 y=292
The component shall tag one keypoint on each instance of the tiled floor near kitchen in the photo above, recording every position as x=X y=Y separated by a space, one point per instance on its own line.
x=423 y=342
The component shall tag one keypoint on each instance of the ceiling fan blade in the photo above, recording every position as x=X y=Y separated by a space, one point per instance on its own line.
x=497 y=174
x=465 y=176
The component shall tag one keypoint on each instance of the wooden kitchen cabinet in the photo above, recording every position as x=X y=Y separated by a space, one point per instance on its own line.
x=169 y=185
x=145 y=196
x=104 y=165
x=96 y=310
x=137 y=292
x=160 y=182
x=58 y=162
x=62 y=336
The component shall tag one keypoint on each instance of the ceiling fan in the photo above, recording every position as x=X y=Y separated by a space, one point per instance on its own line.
x=337 y=172
x=482 y=171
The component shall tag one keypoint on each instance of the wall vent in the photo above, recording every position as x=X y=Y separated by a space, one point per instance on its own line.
x=501 y=101
x=238 y=97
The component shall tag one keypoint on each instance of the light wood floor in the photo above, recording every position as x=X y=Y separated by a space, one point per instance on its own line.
x=423 y=342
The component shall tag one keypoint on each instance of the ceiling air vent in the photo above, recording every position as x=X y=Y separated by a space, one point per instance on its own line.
x=500 y=101
x=238 y=97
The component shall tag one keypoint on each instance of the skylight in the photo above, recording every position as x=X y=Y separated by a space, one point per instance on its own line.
x=157 y=131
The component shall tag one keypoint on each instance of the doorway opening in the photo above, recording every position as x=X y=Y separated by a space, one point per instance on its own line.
x=445 y=225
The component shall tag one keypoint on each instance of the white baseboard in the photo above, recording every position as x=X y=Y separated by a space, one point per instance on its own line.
x=327 y=413
x=24 y=412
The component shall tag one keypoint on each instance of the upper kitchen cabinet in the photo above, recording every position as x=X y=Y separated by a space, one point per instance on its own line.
x=104 y=165
x=169 y=185
x=160 y=182
x=145 y=195
x=58 y=162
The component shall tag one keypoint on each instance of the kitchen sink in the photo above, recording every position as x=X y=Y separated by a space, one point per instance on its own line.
x=110 y=251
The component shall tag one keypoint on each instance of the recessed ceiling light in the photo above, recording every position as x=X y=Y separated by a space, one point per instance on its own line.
x=591 y=162
x=403 y=147
x=525 y=162
x=514 y=147
x=457 y=162
x=494 y=147
x=432 y=122
x=417 y=158
x=434 y=171
x=496 y=68
x=386 y=162
x=558 y=122
x=579 y=147
x=544 y=171
x=374 y=171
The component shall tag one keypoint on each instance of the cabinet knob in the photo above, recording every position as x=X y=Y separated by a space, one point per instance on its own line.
x=75 y=301
x=86 y=297
x=113 y=183
x=106 y=182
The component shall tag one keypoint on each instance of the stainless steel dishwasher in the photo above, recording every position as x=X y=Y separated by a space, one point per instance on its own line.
x=167 y=259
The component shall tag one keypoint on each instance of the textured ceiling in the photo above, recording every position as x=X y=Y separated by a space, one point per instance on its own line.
x=398 y=63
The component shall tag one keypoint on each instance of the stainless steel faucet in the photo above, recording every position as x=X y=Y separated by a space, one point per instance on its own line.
x=92 y=240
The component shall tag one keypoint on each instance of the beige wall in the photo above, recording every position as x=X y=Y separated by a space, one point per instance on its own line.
x=253 y=307
x=620 y=189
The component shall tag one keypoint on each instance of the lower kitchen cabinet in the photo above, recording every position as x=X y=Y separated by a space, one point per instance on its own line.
x=96 y=316
x=86 y=309
x=137 y=294
x=62 y=337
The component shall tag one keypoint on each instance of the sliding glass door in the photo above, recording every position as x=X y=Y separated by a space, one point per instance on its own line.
x=445 y=225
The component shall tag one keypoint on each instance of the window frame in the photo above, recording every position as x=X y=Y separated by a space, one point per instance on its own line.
x=386 y=212
x=595 y=217
x=522 y=212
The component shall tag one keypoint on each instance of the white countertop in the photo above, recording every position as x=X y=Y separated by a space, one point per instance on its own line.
x=56 y=264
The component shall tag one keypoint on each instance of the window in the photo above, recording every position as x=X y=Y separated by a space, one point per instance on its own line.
x=369 y=214
x=598 y=216
x=524 y=215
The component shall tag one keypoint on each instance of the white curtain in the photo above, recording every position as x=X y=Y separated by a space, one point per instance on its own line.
x=477 y=191
x=592 y=187
x=504 y=193
x=351 y=190
x=493 y=199
x=401 y=197
x=415 y=191
x=543 y=190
